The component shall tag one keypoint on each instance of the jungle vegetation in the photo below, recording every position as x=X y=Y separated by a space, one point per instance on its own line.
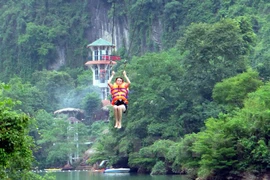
x=199 y=102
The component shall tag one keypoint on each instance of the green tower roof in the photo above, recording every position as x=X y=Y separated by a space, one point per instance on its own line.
x=100 y=42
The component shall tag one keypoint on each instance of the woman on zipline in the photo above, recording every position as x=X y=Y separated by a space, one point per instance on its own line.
x=119 y=92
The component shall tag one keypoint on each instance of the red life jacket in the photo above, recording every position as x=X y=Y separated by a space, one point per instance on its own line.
x=119 y=92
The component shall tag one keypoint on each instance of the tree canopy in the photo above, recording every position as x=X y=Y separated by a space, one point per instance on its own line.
x=198 y=97
x=15 y=144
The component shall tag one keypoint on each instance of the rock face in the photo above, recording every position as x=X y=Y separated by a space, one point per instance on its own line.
x=116 y=30
x=102 y=25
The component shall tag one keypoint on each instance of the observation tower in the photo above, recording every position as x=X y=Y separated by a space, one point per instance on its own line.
x=100 y=60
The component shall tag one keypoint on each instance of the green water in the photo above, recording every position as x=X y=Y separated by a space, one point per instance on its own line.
x=87 y=175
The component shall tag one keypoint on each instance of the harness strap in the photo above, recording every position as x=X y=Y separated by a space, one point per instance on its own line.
x=119 y=98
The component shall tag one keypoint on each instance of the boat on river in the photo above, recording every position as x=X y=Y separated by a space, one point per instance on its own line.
x=117 y=170
x=52 y=170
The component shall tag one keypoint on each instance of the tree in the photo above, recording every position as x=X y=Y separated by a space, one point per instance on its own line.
x=156 y=156
x=59 y=138
x=15 y=143
x=234 y=90
x=210 y=53
x=91 y=104
x=55 y=85
x=37 y=43
x=254 y=147
x=153 y=98
x=31 y=97
x=214 y=52
x=233 y=143
x=217 y=150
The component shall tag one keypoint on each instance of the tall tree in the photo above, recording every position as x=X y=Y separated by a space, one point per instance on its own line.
x=59 y=139
x=234 y=90
x=31 y=97
x=56 y=85
x=214 y=52
x=15 y=143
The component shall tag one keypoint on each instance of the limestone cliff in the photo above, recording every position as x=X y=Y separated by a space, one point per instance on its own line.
x=102 y=24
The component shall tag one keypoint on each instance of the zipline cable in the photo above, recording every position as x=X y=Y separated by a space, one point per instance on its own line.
x=113 y=6
x=113 y=23
x=132 y=33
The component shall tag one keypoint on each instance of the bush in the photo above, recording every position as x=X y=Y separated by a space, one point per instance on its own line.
x=159 y=168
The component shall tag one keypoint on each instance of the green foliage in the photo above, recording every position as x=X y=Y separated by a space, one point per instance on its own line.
x=91 y=104
x=218 y=154
x=171 y=92
x=15 y=144
x=154 y=99
x=230 y=144
x=54 y=142
x=173 y=17
x=85 y=78
x=31 y=97
x=97 y=129
x=156 y=153
x=255 y=115
x=163 y=106
x=57 y=139
x=182 y=154
x=159 y=149
x=35 y=33
x=55 y=85
x=211 y=56
x=33 y=176
x=106 y=149
x=234 y=90
x=254 y=146
x=41 y=38
x=143 y=15
x=159 y=168
x=143 y=164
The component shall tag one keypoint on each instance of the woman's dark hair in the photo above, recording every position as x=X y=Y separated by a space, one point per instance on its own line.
x=119 y=78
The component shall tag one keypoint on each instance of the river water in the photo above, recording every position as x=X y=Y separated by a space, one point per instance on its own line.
x=88 y=175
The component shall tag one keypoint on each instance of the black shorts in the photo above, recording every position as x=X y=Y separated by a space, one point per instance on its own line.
x=118 y=103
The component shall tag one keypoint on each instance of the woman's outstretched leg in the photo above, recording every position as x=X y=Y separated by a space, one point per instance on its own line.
x=121 y=109
x=115 y=110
